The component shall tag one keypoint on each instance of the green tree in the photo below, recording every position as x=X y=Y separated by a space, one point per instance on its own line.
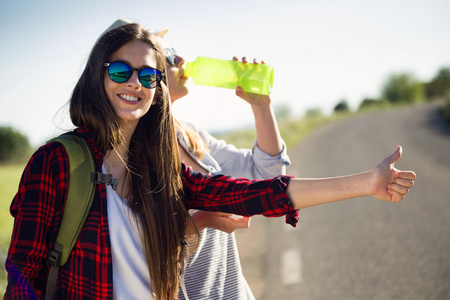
x=14 y=146
x=446 y=108
x=402 y=88
x=368 y=103
x=342 y=106
x=440 y=85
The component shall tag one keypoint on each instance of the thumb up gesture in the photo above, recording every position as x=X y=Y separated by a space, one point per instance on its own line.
x=391 y=184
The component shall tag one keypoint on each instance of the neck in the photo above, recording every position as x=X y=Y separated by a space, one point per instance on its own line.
x=115 y=163
x=120 y=151
x=128 y=128
x=116 y=159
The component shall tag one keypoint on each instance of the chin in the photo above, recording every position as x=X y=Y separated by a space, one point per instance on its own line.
x=186 y=91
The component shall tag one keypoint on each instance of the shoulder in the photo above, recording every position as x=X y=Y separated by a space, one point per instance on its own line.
x=50 y=159
x=56 y=149
x=201 y=131
x=51 y=152
x=44 y=177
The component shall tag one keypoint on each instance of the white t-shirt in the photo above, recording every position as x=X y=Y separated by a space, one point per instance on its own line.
x=130 y=272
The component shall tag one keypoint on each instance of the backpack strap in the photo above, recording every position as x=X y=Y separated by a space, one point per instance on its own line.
x=78 y=204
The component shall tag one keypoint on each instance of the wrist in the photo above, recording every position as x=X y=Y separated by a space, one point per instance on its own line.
x=199 y=220
x=262 y=104
x=263 y=111
x=371 y=183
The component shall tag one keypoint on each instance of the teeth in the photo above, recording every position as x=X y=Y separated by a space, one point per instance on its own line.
x=129 y=97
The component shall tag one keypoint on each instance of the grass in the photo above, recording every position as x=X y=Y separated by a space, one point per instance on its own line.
x=9 y=181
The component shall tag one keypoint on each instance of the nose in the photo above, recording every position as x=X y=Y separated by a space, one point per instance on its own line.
x=134 y=82
x=179 y=60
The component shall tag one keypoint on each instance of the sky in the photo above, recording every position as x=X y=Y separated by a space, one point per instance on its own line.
x=322 y=52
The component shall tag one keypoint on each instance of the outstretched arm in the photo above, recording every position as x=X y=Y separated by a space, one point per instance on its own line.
x=284 y=195
x=384 y=182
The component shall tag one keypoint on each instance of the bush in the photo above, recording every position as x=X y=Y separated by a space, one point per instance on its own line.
x=439 y=86
x=14 y=146
x=369 y=104
x=402 y=88
x=342 y=107
x=446 y=107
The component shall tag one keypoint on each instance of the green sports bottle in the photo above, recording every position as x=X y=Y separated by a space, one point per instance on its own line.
x=253 y=78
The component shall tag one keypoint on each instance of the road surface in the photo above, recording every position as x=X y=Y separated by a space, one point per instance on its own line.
x=361 y=248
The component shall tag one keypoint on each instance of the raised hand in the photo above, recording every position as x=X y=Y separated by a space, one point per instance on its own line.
x=251 y=98
x=391 y=184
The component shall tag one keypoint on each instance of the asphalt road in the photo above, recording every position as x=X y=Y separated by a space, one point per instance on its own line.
x=361 y=248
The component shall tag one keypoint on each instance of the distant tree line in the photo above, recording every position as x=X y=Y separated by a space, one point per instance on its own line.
x=404 y=88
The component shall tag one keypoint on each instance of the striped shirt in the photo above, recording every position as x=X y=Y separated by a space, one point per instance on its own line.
x=213 y=270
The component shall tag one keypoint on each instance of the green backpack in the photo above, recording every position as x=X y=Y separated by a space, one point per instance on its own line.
x=78 y=204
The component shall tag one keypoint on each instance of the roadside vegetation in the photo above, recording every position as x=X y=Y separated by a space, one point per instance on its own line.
x=9 y=181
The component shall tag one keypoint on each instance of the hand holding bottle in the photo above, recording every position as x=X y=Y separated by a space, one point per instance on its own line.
x=252 y=98
x=267 y=133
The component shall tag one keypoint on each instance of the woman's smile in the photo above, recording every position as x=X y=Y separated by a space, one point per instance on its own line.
x=129 y=98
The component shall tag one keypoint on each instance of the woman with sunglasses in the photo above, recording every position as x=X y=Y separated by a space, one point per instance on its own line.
x=132 y=244
x=205 y=278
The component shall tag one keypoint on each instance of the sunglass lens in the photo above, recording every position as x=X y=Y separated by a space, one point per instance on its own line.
x=149 y=78
x=119 y=72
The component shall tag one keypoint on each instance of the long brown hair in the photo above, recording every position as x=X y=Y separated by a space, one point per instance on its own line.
x=154 y=165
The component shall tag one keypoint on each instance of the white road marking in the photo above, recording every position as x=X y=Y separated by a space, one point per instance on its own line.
x=291 y=267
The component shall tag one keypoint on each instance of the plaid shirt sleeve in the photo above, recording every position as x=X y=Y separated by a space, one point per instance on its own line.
x=36 y=208
x=239 y=195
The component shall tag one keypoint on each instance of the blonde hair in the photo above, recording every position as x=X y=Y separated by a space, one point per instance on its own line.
x=193 y=140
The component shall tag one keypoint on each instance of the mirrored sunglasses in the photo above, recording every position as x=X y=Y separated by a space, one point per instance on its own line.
x=170 y=55
x=121 y=72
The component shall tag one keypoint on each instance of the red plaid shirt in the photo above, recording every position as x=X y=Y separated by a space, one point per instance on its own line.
x=39 y=203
